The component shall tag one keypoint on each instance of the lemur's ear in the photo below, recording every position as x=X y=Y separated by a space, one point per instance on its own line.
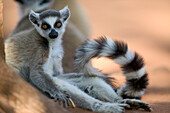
x=34 y=17
x=65 y=13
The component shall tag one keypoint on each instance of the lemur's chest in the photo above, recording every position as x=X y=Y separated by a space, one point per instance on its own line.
x=53 y=65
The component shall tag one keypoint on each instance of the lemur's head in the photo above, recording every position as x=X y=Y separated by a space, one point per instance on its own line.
x=50 y=24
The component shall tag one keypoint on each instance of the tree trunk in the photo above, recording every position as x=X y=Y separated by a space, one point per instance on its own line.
x=1 y=32
x=16 y=95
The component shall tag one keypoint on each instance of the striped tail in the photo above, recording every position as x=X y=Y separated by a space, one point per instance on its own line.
x=131 y=63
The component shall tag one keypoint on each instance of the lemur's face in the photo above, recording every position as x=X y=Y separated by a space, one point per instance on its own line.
x=50 y=24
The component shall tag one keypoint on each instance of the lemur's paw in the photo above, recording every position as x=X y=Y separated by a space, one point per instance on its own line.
x=137 y=104
x=64 y=100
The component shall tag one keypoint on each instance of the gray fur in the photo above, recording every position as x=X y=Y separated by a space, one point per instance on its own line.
x=26 y=6
x=31 y=2
x=48 y=13
x=44 y=56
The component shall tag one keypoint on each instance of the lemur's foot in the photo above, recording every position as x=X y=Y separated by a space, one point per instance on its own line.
x=64 y=100
x=110 y=107
x=137 y=104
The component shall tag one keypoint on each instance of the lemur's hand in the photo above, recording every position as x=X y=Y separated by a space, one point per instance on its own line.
x=64 y=100
x=137 y=104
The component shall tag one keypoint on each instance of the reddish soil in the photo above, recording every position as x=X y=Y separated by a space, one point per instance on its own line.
x=144 y=25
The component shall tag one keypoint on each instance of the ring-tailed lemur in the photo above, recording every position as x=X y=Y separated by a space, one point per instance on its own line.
x=36 y=55
x=28 y=54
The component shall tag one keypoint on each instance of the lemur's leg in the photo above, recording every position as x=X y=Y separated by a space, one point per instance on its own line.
x=100 y=89
x=58 y=88
x=86 y=101
x=93 y=86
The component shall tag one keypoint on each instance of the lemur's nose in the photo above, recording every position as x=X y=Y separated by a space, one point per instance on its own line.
x=53 y=34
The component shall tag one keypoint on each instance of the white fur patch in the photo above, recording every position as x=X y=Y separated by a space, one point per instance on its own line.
x=108 y=49
x=110 y=42
x=129 y=91
x=134 y=93
x=54 y=62
x=122 y=60
x=136 y=74
x=51 y=20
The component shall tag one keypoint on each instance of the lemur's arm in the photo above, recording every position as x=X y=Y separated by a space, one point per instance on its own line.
x=46 y=84
x=42 y=81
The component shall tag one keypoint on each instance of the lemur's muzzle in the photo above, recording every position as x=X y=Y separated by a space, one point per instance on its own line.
x=53 y=34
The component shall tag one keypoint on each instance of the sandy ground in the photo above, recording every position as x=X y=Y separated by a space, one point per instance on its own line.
x=144 y=25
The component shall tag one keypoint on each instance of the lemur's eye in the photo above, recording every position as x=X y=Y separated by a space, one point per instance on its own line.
x=44 y=27
x=58 y=24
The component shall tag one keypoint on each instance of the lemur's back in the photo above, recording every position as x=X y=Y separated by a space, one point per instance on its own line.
x=23 y=24
x=21 y=48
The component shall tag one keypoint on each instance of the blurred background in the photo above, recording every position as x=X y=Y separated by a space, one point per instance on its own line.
x=143 y=24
